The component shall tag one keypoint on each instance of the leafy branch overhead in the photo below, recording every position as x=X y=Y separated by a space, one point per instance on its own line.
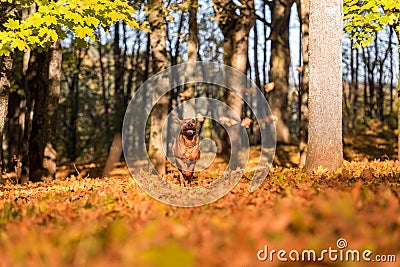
x=53 y=19
x=363 y=18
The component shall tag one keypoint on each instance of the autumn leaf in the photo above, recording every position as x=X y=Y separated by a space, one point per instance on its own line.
x=83 y=32
x=12 y=24
x=18 y=43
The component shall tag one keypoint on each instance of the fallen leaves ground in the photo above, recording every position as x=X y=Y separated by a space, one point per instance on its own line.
x=112 y=222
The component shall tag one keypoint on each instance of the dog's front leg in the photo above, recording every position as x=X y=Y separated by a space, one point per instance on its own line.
x=182 y=168
x=188 y=172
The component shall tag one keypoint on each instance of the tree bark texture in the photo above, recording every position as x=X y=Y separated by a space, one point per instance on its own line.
x=304 y=14
x=160 y=61
x=42 y=151
x=279 y=70
x=325 y=102
x=114 y=154
x=235 y=28
x=6 y=64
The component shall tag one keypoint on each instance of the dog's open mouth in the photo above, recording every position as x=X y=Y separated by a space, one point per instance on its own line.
x=190 y=131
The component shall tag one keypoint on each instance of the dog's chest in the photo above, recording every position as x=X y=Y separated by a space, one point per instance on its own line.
x=191 y=153
x=187 y=149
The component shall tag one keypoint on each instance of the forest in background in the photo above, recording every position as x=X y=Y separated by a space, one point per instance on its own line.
x=98 y=79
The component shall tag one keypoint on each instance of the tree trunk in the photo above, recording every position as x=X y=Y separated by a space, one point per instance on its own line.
x=325 y=103
x=6 y=64
x=74 y=95
x=105 y=86
x=381 y=92
x=235 y=29
x=304 y=14
x=370 y=81
x=256 y=68
x=396 y=28
x=160 y=62
x=392 y=77
x=19 y=107
x=266 y=40
x=144 y=96
x=15 y=128
x=280 y=62
x=115 y=151
x=42 y=153
x=365 y=89
x=193 y=40
x=356 y=89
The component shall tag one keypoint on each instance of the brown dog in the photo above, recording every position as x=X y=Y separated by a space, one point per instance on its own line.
x=186 y=149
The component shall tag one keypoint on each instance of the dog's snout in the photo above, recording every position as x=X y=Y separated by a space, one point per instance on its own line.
x=190 y=125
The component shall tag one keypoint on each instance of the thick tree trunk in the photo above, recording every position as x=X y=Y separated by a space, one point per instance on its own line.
x=279 y=71
x=160 y=62
x=325 y=103
x=42 y=153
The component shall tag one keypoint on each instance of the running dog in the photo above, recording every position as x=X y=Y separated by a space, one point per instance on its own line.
x=186 y=149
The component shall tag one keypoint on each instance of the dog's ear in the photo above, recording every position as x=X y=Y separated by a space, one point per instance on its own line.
x=180 y=122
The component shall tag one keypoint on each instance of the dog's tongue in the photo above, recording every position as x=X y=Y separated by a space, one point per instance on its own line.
x=189 y=131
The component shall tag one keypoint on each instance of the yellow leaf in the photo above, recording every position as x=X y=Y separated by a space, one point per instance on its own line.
x=33 y=39
x=53 y=35
x=42 y=32
x=115 y=16
x=18 y=43
x=49 y=20
x=12 y=24
x=4 y=51
x=92 y=21
x=83 y=32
